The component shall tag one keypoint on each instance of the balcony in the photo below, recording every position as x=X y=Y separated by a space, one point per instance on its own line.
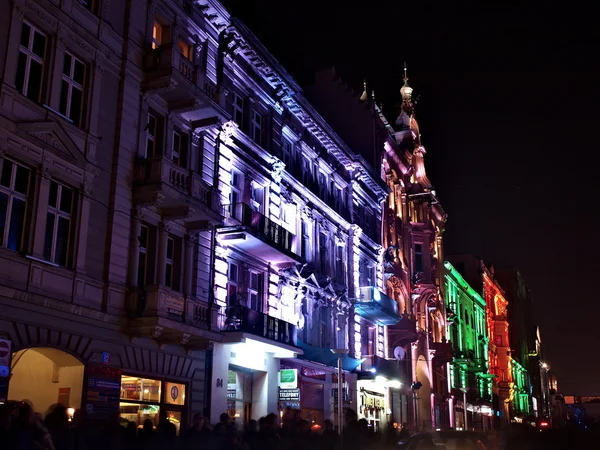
x=178 y=191
x=185 y=88
x=256 y=234
x=171 y=317
x=243 y=320
x=377 y=307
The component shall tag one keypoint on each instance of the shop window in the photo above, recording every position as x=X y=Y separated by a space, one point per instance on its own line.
x=14 y=191
x=30 y=63
x=58 y=245
x=71 y=93
x=143 y=398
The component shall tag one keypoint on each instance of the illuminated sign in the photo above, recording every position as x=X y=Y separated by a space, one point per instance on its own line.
x=288 y=378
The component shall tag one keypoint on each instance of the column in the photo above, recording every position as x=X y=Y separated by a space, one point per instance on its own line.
x=134 y=246
x=161 y=263
x=39 y=218
x=96 y=101
x=188 y=261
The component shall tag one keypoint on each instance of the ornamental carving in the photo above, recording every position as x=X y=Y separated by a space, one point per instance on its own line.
x=33 y=9
x=277 y=171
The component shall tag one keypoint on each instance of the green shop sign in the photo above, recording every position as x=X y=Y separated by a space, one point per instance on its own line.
x=288 y=378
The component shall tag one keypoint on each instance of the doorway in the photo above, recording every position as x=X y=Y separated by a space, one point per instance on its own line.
x=45 y=377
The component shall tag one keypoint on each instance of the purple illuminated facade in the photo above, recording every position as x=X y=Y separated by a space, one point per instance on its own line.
x=417 y=350
x=179 y=221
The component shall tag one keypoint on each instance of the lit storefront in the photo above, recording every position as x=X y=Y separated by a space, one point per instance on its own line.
x=143 y=398
x=373 y=402
x=245 y=378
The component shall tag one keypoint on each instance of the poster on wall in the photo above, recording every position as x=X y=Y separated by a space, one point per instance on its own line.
x=64 y=396
x=103 y=392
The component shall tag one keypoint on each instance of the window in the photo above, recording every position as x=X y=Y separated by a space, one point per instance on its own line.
x=88 y=4
x=339 y=263
x=418 y=258
x=305 y=249
x=169 y=263
x=257 y=197
x=255 y=291
x=232 y=284
x=57 y=245
x=323 y=253
x=337 y=199
x=14 y=189
x=143 y=256
x=238 y=110
x=235 y=196
x=157 y=35
x=30 y=65
x=286 y=153
x=306 y=172
x=179 y=150
x=365 y=274
x=323 y=186
x=256 y=127
x=71 y=93
x=153 y=134
x=186 y=49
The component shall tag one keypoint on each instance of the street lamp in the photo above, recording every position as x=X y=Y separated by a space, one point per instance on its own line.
x=464 y=391
x=340 y=352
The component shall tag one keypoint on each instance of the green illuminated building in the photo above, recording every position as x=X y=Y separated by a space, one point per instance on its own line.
x=521 y=394
x=467 y=332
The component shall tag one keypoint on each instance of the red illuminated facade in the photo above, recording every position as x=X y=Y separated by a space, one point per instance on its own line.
x=499 y=355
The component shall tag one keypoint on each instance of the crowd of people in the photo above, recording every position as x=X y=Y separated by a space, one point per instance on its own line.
x=22 y=429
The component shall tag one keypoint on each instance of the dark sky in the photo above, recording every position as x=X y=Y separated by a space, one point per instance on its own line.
x=508 y=115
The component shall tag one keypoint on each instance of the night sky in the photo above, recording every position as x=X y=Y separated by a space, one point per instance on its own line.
x=508 y=100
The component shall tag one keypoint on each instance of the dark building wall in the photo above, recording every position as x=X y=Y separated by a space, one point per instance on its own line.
x=355 y=124
x=469 y=266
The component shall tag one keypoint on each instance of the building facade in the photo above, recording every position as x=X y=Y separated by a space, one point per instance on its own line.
x=413 y=221
x=100 y=301
x=469 y=379
x=181 y=231
x=524 y=337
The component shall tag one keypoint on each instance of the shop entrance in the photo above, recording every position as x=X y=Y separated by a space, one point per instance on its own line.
x=45 y=377
x=240 y=384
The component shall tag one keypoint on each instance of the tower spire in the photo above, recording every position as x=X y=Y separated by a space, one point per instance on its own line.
x=364 y=96
x=406 y=90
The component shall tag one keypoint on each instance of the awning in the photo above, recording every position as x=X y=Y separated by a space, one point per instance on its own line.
x=324 y=356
